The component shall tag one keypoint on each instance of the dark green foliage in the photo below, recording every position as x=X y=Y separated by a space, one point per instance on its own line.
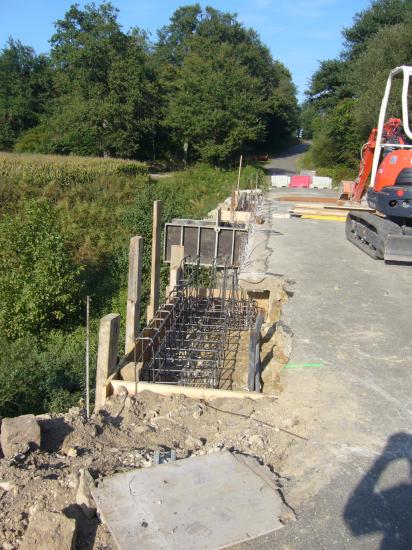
x=224 y=92
x=44 y=375
x=106 y=93
x=345 y=94
x=39 y=284
x=24 y=85
x=390 y=47
x=380 y=14
x=208 y=82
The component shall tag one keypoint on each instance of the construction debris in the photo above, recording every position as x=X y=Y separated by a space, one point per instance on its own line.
x=19 y=435
x=207 y=502
x=84 y=497
x=50 y=531
x=125 y=435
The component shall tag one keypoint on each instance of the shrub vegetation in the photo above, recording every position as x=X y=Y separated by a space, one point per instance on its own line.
x=61 y=239
x=345 y=94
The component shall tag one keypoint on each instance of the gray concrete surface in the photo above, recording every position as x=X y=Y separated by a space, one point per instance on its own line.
x=350 y=483
x=285 y=163
x=352 y=315
x=202 y=502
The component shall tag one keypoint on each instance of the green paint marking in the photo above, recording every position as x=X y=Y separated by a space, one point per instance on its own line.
x=304 y=365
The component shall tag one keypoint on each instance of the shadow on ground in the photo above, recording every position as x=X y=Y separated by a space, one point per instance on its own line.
x=376 y=507
x=285 y=162
x=297 y=149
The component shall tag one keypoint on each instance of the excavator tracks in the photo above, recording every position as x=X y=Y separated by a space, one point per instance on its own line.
x=380 y=238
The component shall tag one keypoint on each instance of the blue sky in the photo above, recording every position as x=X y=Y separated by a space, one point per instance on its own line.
x=298 y=32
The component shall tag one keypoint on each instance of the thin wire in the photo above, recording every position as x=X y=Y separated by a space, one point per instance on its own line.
x=255 y=420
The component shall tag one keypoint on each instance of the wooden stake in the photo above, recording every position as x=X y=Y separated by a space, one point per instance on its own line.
x=177 y=255
x=134 y=287
x=238 y=179
x=155 y=278
x=106 y=355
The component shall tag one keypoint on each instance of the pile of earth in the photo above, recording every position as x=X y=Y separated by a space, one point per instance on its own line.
x=131 y=432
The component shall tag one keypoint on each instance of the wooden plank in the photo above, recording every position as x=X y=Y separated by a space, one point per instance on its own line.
x=299 y=198
x=155 y=273
x=205 y=394
x=318 y=212
x=330 y=218
x=133 y=292
x=347 y=208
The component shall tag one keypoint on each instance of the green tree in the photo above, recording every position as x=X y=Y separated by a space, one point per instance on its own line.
x=381 y=13
x=39 y=284
x=345 y=94
x=386 y=49
x=24 y=90
x=224 y=92
x=106 y=93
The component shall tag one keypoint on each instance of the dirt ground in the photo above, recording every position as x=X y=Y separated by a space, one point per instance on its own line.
x=131 y=431
x=126 y=435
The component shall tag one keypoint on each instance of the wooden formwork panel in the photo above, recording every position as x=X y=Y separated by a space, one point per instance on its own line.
x=210 y=242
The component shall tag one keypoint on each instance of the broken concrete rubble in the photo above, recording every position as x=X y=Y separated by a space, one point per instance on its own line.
x=19 y=435
x=126 y=436
x=50 y=531
x=84 y=497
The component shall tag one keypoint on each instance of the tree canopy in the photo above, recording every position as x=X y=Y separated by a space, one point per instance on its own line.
x=39 y=284
x=24 y=90
x=207 y=81
x=344 y=96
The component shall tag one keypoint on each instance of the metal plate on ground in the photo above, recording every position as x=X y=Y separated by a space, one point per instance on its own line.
x=204 y=503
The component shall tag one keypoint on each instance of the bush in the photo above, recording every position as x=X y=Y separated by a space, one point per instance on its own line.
x=38 y=375
x=72 y=242
x=39 y=284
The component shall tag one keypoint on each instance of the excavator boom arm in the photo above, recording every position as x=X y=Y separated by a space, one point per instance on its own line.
x=391 y=129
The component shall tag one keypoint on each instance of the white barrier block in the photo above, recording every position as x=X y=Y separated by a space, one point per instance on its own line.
x=280 y=181
x=321 y=182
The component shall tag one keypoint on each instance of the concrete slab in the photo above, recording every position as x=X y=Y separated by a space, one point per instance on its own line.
x=350 y=314
x=204 y=502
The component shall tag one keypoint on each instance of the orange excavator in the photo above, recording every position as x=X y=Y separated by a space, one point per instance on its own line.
x=387 y=159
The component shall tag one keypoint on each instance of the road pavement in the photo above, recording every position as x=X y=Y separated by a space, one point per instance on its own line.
x=350 y=483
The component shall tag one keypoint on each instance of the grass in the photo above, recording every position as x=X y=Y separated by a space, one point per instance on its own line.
x=65 y=169
x=99 y=205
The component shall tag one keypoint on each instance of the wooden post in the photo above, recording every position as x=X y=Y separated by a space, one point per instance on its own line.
x=155 y=276
x=134 y=286
x=232 y=206
x=177 y=254
x=238 y=180
x=106 y=355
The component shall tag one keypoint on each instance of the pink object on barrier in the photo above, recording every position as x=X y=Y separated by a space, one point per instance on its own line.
x=300 y=181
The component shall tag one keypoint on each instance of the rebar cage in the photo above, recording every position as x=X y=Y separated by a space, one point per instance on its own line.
x=194 y=332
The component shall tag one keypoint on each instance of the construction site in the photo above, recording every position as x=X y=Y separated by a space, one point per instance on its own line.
x=271 y=363
x=267 y=402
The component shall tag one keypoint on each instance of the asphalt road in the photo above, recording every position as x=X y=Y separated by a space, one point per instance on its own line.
x=285 y=163
x=350 y=483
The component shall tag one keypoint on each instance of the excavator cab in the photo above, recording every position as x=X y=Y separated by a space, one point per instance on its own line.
x=387 y=159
